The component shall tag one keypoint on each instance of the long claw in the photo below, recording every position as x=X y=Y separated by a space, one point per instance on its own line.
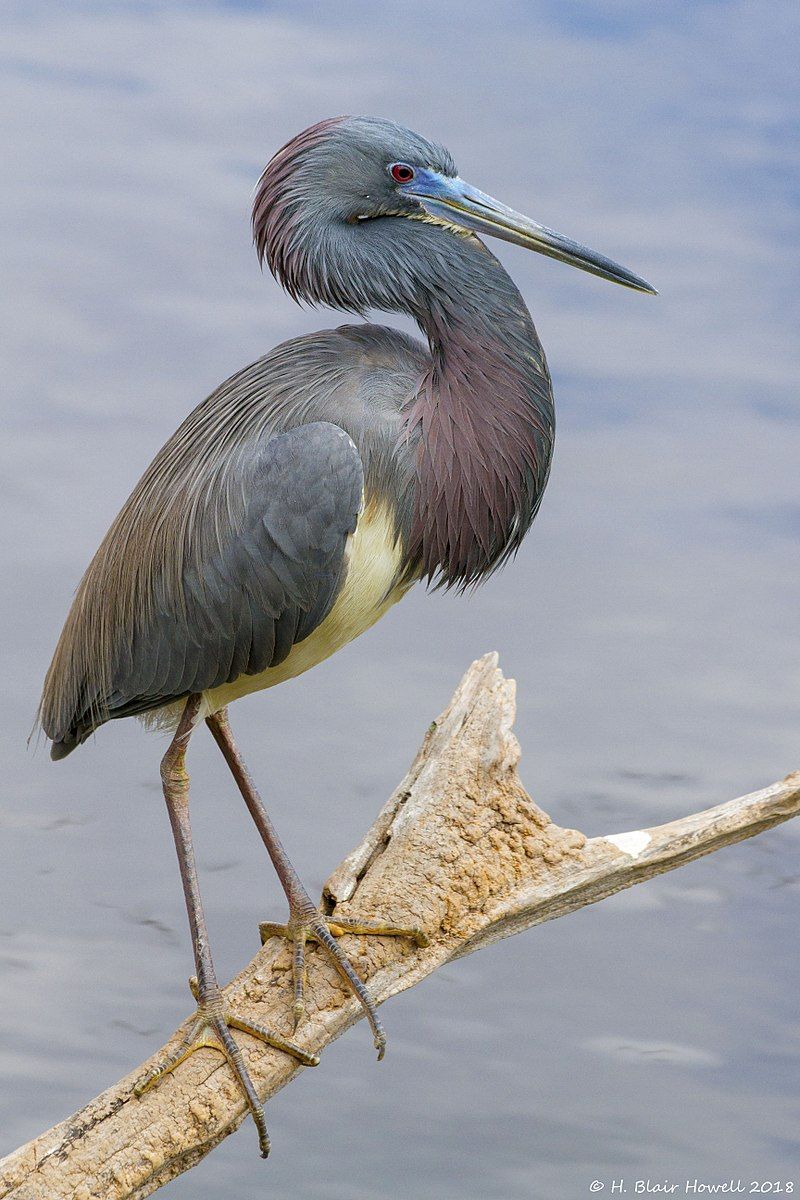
x=189 y=1044
x=341 y=925
x=211 y=1030
x=271 y=1039
x=345 y=969
x=313 y=926
x=226 y=1045
x=234 y=1057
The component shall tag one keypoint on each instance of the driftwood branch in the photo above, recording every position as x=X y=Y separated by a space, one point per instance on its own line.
x=459 y=850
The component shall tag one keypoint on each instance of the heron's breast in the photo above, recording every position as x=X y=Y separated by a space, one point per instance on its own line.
x=374 y=560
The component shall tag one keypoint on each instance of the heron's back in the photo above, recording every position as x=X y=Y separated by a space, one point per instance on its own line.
x=155 y=592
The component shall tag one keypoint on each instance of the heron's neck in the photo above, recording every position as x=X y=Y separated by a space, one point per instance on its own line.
x=483 y=417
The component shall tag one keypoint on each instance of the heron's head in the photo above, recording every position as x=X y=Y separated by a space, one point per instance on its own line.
x=327 y=207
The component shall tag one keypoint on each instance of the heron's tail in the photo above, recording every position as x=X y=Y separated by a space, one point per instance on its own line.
x=63 y=747
x=72 y=703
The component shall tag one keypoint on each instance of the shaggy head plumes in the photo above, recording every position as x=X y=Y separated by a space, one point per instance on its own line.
x=318 y=194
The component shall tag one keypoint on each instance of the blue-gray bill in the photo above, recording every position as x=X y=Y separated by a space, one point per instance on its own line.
x=451 y=199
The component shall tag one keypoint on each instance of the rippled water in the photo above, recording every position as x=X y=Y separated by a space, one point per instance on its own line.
x=650 y=620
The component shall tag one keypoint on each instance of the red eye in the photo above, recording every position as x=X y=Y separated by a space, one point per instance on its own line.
x=401 y=172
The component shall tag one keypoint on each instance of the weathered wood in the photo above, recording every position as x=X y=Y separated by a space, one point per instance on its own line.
x=459 y=849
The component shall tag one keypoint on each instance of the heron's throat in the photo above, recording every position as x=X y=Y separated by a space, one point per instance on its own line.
x=482 y=420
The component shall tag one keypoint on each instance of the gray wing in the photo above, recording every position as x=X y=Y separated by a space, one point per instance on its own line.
x=271 y=578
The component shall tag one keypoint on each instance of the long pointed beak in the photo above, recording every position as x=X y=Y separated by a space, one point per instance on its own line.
x=452 y=200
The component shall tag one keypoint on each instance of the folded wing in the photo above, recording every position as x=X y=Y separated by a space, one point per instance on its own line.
x=263 y=566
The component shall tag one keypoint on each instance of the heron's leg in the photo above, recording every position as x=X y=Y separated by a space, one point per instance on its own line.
x=305 y=922
x=212 y=1025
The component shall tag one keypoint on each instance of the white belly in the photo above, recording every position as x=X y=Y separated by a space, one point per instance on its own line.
x=373 y=561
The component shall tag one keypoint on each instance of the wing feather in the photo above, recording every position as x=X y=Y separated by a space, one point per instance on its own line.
x=266 y=575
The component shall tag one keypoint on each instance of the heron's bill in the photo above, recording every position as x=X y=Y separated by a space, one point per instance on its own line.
x=453 y=200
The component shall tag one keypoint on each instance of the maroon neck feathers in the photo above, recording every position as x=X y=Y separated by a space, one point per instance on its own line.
x=483 y=420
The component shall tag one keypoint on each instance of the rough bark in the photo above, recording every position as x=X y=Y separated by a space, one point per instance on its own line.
x=459 y=849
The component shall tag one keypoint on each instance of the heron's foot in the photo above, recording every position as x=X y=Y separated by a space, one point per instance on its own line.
x=307 y=924
x=211 y=1029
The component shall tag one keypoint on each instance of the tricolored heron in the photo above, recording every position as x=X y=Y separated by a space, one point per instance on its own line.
x=308 y=493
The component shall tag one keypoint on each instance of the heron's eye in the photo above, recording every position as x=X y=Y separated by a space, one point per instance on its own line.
x=402 y=172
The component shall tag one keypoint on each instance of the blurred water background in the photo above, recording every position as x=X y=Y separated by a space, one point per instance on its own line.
x=650 y=619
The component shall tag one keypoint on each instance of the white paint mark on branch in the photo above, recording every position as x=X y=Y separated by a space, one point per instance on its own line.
x=630 y=843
